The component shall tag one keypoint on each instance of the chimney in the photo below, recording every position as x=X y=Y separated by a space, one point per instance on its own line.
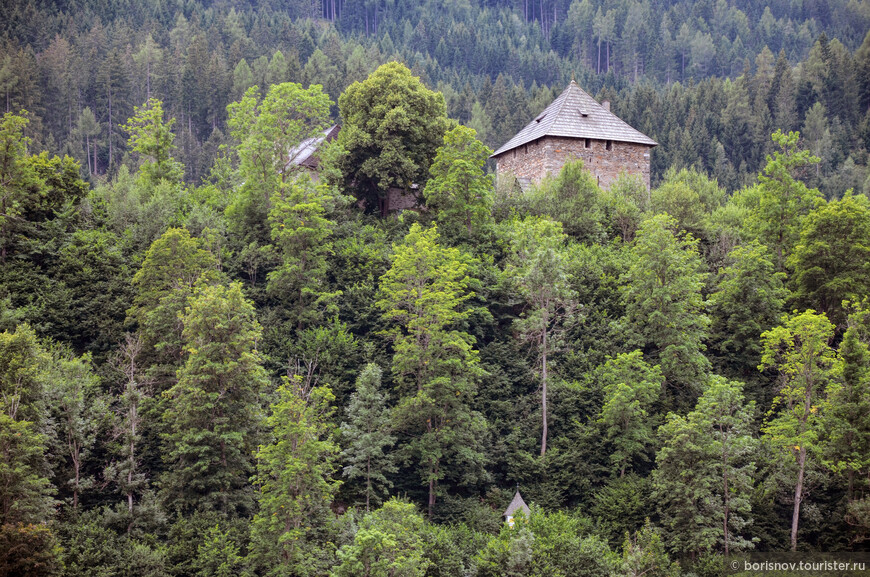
x=606 y=105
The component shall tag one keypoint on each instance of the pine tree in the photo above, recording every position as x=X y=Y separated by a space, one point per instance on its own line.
x=367 y=435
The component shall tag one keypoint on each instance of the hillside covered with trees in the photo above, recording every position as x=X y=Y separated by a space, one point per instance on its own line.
x=213 y=364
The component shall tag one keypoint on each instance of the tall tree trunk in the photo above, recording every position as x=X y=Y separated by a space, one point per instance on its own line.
x=598 y=68
x=798 y=495
x=544 y=387
x=727 y=503
x=88 y=153
x=111 y=148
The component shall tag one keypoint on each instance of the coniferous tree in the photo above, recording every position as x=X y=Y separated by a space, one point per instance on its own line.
x=704 y=472
x=214 y=419
x=664 y=307
x=294 y=484
x=367 y=435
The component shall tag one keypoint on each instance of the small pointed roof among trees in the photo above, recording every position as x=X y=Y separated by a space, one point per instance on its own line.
x=575 y=114
x=517 y=505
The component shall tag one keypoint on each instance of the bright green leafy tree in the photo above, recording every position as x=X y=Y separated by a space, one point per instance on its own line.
x=631 y=387
x=389 y=543
x=393 y=126
x=272 y=133
x=460 y=192
x=799 y=350
x=435 y=362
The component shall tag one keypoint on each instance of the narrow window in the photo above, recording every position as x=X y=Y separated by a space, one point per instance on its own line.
x=588 y=143
x=609 y=145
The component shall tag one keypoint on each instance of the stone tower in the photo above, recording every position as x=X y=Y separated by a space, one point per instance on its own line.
x=575 y=126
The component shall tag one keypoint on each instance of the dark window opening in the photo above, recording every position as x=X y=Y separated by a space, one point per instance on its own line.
x=609 y=145
x=588 y=143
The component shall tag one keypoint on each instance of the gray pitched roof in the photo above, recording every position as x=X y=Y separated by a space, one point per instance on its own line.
x=517 y=504
x=575 y=114
x=304 y=153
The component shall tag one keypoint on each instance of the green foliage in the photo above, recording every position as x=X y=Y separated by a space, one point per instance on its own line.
x=152 y=139
x=78 y=412
x=621 y=507
x=214 y=417
x=538 y=270
x=301 y=233
x=164 y=283
x=847 y=406
x=218 y=555
x=543 y=545
x=389 y=543
x=631 y=387
x=26 y=494
x=644 y=555
x=573 y=199
x=271 y=133
x=830 y=261
x=689 y=197
x=705 y=505
x=664 y=307
x=294 y=483
x=28 y=550
x=393 y=126
x=799 y=349
x=367 y=437
x=783 y=200
x=435 y=364
x=748 y=300
x=460 y=192
x=20 y=185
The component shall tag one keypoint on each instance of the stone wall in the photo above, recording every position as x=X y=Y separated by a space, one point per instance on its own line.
x=548 y=155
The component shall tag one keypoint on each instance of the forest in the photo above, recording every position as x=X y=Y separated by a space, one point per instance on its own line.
x=215 y=361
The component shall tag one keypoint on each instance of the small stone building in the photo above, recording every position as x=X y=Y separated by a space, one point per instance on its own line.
x=575 y=126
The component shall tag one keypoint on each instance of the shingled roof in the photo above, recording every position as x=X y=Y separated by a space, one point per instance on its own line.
x=575 y=114
x=517 y=505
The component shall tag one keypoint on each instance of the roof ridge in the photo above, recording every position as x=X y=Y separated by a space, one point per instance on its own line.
x=598 y=123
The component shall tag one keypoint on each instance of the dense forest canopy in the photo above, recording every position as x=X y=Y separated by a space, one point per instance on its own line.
x=215 y=361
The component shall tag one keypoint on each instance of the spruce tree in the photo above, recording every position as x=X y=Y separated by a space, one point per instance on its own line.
x=367 y=434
